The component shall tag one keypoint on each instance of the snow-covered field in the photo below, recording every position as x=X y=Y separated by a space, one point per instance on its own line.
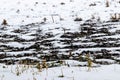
x=13 y=72
x=60 y=30
x=32 y=11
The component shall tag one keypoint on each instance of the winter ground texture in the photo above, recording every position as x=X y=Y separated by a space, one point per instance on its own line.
x=54 y=40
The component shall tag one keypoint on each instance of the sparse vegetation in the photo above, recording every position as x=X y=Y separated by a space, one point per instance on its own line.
x=4 y=22
x=61 y=76
x=78 y=19
x=51 y=40
x=89 y=61
x=115 y=17
x=107 y=3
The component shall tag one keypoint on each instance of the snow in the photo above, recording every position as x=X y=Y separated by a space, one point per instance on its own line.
x=27 y=37
x=23 y=12
x=117 y=58
x=19 y=52
x=77 y=63
x=105 y=60
x=106 y=72
x=15 y=44
x=18 y=13
x=19 y=10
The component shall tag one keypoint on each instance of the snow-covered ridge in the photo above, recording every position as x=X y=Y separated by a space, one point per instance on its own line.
x=60 y=27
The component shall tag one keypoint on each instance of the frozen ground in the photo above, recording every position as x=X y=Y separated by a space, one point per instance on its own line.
x=106 y=72
x=60 y=30
x=24 y=12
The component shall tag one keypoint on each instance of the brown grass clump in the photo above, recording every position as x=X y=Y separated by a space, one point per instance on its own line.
x=89 y=61
x=115 y=17
x=107 y=3
x=4 y=22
